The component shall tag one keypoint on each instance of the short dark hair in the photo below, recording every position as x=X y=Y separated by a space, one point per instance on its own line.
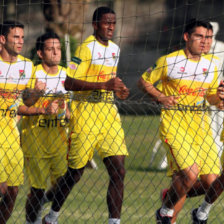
x=9 y=24
x=41 y=39
x=193 y=23
x=99 y=12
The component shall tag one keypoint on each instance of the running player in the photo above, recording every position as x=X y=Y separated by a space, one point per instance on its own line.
x=44 y=135
x=201 y=186
x=16 y=75
x=95 y=119
x=188 y=78
x=200 y=215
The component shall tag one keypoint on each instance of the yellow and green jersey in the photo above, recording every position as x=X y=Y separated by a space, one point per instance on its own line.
x=14 y=78
x=93 y=110
x=46 y=135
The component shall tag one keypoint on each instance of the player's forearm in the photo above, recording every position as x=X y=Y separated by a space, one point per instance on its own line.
x=31 y=96
x=150 y=89
x=30 y=111
x=79 y=85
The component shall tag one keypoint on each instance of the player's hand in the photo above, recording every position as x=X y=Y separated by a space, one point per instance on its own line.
x=123 y=93
x=220 y=90
x=30 y=96
x=40 y=86
x=114 y=84
x=168 y=101
x=53 y=107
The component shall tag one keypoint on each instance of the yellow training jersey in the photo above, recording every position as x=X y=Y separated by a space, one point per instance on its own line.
x=93 y=62
x=14 y=77
x=191 y=81
x=45 y=135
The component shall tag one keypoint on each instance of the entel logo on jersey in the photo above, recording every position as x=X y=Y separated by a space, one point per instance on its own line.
x=191 y=91
x=59 y=121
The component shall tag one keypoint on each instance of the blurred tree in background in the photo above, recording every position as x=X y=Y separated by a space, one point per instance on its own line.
x=65 y=17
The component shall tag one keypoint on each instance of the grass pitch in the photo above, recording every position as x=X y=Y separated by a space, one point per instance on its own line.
x=143 y=182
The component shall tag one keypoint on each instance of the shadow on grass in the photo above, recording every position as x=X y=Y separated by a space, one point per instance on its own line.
x=147 y=169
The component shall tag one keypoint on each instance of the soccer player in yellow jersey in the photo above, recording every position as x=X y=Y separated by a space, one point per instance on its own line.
x=200 y=215
x=44 y=129
x=188 y=78
x=200 y=187
x=16 y=75
x=95 y=120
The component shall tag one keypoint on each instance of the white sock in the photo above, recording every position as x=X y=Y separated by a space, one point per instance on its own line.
x=44 y=200
x=114 y=221
x=204 y=210
x=52 y=216
x=164 y=211
x=38 y=220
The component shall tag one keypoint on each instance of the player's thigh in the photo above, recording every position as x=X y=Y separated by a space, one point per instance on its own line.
x=181 y=153
x=81 y=149
x=208 y=179
x=209 y=158
x=14 y=166
x=3 y=164
x=112 y=143
x=38 y=171
x=59 y=166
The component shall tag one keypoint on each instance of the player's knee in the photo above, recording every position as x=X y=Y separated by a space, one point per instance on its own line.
x=37 y=193
x=13 y=192
x=118 y=174
x=73 y=176
x=189 y=180
x=121 y=172
x=3 y=188
x=208 y=179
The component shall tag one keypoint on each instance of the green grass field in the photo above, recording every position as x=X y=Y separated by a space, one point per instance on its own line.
x=143 y=182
